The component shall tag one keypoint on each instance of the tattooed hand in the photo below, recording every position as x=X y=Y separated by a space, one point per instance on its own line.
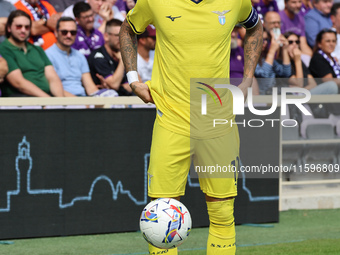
x=142 y=91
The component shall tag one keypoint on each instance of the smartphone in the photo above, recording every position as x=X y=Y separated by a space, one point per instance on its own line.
x=277 y=32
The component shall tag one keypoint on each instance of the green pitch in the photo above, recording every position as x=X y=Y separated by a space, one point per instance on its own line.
x=299 y=232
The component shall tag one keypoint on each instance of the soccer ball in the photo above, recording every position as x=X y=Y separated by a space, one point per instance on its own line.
x=165 y=223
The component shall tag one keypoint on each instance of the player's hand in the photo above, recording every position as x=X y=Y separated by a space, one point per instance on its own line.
x=142 y=91
x=244 y=87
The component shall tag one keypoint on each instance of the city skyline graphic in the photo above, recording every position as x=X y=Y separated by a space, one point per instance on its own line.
x=24 y=154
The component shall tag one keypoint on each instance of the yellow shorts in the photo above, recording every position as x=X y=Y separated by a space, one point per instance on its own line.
x=170 y=159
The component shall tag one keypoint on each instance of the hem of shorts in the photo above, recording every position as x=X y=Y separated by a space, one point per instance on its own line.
x=178 y=131
x=166 y=195
x=233 y=194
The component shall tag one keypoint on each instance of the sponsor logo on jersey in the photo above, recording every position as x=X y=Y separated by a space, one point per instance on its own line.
x=173 y=18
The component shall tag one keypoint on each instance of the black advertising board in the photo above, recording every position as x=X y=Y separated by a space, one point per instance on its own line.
x=70 y=172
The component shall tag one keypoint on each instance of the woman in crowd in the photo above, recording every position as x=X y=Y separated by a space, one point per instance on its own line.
x=269 y=67
x=322 y=64
x=301 y=77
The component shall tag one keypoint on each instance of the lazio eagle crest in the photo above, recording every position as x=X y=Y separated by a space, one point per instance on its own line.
x=221 y=17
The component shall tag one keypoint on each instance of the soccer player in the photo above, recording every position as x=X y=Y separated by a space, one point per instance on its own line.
x=193 y=41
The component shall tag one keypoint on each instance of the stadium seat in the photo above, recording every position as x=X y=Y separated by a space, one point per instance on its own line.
x=290 y=131
x=316 y=128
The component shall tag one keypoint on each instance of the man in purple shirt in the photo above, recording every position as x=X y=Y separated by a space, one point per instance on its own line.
x=88 y=38
x=292 y=21
x=236 y=58
x=265 y=6
x=317 y=19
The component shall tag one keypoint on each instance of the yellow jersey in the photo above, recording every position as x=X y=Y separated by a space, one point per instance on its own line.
x=192 y=41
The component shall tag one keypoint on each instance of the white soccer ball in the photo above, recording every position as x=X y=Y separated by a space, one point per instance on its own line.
x=165 y=223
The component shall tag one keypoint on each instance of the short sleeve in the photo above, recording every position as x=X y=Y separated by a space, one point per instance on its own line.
x=11 y=62
x=84 y=66
x=140 y=16
x=248 y=16
x=99 y=64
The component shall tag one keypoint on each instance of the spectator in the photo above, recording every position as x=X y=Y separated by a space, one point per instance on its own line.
x=70 y=65
x=146 y=52
x=293 y=21
x=30 y=72
x=270 y=68
x=88 y=38
x=103 y=11
x=44 y=18
x=236 y=56
x=322 y=64
x=272 y=20
x=5 y=9
x=264 y=6
x=317 y=19
x=125 y=5
x=335 y=17
x=301 y=77
x=106 y=65
x=117 y=13
x=61 y=5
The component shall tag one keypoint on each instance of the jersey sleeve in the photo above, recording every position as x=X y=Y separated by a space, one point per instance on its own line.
x=140 y=16
x=84 y=66
x=11 y=62
x=248 y=16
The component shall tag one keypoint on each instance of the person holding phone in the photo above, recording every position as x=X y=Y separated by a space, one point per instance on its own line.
x=270 y=66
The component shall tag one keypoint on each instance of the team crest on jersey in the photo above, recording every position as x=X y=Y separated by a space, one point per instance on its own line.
x=221 y=17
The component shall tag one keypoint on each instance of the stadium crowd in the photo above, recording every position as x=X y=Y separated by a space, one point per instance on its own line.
x=70 y=48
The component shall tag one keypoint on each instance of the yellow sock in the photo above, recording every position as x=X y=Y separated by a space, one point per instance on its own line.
x=221 y=238
x=155 y=251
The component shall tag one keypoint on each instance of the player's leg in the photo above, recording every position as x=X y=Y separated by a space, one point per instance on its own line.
x=220 y=156
x=168 y=169
x=221 y=239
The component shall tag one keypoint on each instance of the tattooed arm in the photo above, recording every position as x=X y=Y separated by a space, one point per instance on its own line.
x=128 y=48
x=252 y=52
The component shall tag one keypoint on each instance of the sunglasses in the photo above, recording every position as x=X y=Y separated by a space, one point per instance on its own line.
x=27 y=27
x=293 y=41
x=65 y=32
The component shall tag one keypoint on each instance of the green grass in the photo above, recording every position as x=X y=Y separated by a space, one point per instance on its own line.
x=299 y=232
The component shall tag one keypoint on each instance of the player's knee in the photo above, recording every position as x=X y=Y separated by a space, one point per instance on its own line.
x=221 y=216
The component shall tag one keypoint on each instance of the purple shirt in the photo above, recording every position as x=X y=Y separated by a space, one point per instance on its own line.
x=295 y=25
x=304 y=10
x=86 y=44
x=236 y=65
x=315 y=21
x=262 y=9
x=121 y=5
